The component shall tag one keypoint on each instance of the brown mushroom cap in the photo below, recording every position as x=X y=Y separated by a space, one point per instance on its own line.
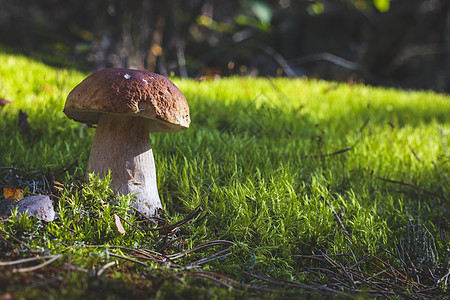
x=130 y=93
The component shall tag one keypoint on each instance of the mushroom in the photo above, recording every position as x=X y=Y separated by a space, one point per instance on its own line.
x=127 y=105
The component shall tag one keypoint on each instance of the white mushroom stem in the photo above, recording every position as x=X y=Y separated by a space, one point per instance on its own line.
x=122 y=145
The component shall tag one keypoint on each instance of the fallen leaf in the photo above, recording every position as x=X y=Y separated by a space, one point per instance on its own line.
x=12 y=193
x=3 y=102
x=119 y=224
x=24 y=127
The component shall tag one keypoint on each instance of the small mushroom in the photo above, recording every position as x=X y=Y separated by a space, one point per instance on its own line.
x=127 y=105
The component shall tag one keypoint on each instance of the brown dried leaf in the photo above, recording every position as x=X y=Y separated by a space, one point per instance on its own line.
x=12 y=193
x=119 y=224
x=3 y=102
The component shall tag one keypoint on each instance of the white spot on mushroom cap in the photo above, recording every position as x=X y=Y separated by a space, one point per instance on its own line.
x=127 y=76
x=145 y=81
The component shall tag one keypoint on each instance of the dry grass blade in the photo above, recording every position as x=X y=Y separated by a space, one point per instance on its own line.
x=329 y=154
x=413 y=186
x=375 y=287
x=222 y=279
x=207 y=276
x=384 y=286
x=71 y=267
x=386 y=282
x=202 y=246
x=322 y=289
x=144 y=254
x=440 y=171
x=218 y=255
x=403 y=276
x=128 y=259
x=170 y=243
x=330 y=261
x=166 y=229
x=414 y=153
x=316 y=256
x=104 y=267
x=168 y=259
x=24 y=260
x=348 y=275
x=153 y=255
x=444 y=279
x=34 y=268
x=359 y=262
x=339 y=221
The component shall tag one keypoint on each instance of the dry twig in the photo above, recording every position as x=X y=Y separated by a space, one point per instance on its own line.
x=413 y=186
x=17 y=240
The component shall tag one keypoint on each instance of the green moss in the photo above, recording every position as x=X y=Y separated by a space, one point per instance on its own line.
x=274 y=162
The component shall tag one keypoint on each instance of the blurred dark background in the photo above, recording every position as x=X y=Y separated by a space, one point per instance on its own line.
x=400 y=43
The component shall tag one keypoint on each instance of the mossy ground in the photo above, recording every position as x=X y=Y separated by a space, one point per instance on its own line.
x=283 y=168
